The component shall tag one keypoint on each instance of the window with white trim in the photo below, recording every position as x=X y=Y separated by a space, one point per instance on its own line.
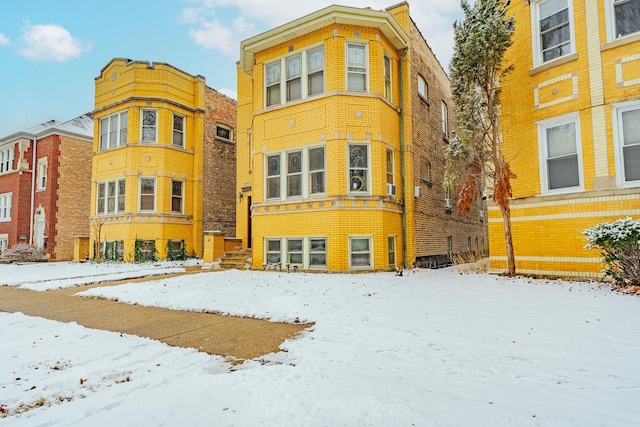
x=423 y=88
x=294 y=251
x=225 y=133
x=447 y=199
x=149 y=125
x=387 y=77
x=623 y=18
x=358 y=168
x=113 y=130
x=176 y=196
x=560 y=154
x=357 y=66
x=304 y=252
x=553 y=32
x=5 y=207
x=303 y=175
x=178 y=130
x=627 y=142
x=391 y=188
x=110 y=197
x=317 y=252
x=42 y=173
x=147 y=194
x=6 y=159
x=273 y=251
x=360 y=252
x=293 y=70
x=391 y=249
x=4 y=243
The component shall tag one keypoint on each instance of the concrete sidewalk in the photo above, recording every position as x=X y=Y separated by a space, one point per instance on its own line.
x=236 y=338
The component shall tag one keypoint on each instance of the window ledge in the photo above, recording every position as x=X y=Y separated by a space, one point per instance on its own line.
x=620 y=42
x=554 y=63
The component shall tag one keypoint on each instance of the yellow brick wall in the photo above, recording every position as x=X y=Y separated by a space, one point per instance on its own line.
x=547 y=228
x=132 y=87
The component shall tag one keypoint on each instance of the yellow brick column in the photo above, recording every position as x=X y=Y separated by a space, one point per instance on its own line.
x=213 y=246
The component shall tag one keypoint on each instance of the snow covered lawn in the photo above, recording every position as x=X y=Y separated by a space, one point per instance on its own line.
x=432 y=348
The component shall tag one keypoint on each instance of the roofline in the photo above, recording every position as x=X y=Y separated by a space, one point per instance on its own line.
x=149 y=64
x=328 y=15
x=52 y=130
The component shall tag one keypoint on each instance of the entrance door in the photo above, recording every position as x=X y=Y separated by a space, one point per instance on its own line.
x=249 y=239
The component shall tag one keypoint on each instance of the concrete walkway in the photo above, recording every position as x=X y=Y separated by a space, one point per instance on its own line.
x=236 y=338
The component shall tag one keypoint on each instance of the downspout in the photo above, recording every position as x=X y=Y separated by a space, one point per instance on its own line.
x=33 y=189
x=404 y=196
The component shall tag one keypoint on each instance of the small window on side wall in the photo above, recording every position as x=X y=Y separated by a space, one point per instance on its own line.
x=224 y=133
x=423 y=89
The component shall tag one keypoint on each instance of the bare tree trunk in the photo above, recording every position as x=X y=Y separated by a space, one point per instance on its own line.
x=511 y=259
x=97 y=229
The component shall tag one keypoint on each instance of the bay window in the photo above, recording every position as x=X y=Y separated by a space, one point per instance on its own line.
x=357 y=67
x=358 y=168
x=293 y=70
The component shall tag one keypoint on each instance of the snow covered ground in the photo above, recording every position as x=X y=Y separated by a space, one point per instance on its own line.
x=431 y=348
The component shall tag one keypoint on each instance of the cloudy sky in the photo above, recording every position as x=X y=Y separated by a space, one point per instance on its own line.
x=51 y=51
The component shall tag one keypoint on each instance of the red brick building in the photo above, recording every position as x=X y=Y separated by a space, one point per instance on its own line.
x=45 y=179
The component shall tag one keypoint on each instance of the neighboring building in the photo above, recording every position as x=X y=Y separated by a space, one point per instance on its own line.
x=571 y=124
x=342 y=119
x=50 y=208
x=163 y=163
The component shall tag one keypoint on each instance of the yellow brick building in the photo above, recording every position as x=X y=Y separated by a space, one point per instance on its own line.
x=332 y=171
x=571 y=124
x=148 y=162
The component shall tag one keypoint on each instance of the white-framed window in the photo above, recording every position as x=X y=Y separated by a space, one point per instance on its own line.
x=303 y=174
x=425 y=170
x=447 y=198
x=42 y=173
x=391 y=249
x=177 y=189
x=423 y=89
x=358 y=168
x=315 y=70
x=178 y=130
x=149 y=124
x=294 y=76
x=4 y=243
x=294 y=69
x=626 y=132
x=357 y=66
x=225 y=133
x=553 y=30
x=391 y=188
x=6 y=159
x=560 y=154
x=5 y=207
x=294 y=251
x=147 y=194
x=317 y=252
x=387 y=77
x=110 y=197
x=360 y=252
x=273 y=249
x=113 y=130
x=623 y=18
x=444 y=116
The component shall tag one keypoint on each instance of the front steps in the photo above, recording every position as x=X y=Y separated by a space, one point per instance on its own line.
x=238 y=259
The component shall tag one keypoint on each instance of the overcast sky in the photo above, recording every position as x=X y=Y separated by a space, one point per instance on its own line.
x=51 y=51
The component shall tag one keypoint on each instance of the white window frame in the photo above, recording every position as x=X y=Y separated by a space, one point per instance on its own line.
x=305 y=175
x=423 y=88
x=357 y=70
x=390 y=166
x=391 y=251
x=311 y=252
x=618 y=139
x=294 y=252
x=353 y=253
x=181 y=133
x=143 y=126
x=281 y=251
x=179 y=196
x=285 y=79
x=352 y=185
x=5 y=207
x=444 y=117
x=293 y=77
x=294 y=171
x=536 y=36
x=113 y=130
x=610 y=16
x=224 y=128
x=272 y=255
x=42 y=173
x=118 y=197
x=6 y=159
x=447 y=199
x=543 y=152
x=4 y=242
x=388 y=76
x=140 y=195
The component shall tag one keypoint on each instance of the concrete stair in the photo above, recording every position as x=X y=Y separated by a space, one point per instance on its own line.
x=235 y=259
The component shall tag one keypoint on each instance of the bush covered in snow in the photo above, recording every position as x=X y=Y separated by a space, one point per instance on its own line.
x=23 y=252
x=619 y=244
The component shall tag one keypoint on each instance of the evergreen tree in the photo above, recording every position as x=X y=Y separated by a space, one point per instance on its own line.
x=474 y=159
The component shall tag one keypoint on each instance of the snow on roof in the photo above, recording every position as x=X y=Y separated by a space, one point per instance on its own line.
x=78 y=127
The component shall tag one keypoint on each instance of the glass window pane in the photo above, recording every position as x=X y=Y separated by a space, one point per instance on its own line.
x=294 y=89
x=294 y=245
x=561 y=140
x=631 y=127
x=294 y=185
x=627 y=17
x=273 y=165
x=631 y=163
x=146 y=203
x=318 y=260
x=317 y=182
x=294 y=161
x=273 y=188
x=124 y=123
x=359 y=245
x=176 y=188
x=563 y=172
x=273 y=245
x=294 y=68
x=316 y=159
x=273 y=73
x=317 y=245
x=273 y=95
x=315 y=59
x=316 y=83
x=356 y=56
x=356 y=81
